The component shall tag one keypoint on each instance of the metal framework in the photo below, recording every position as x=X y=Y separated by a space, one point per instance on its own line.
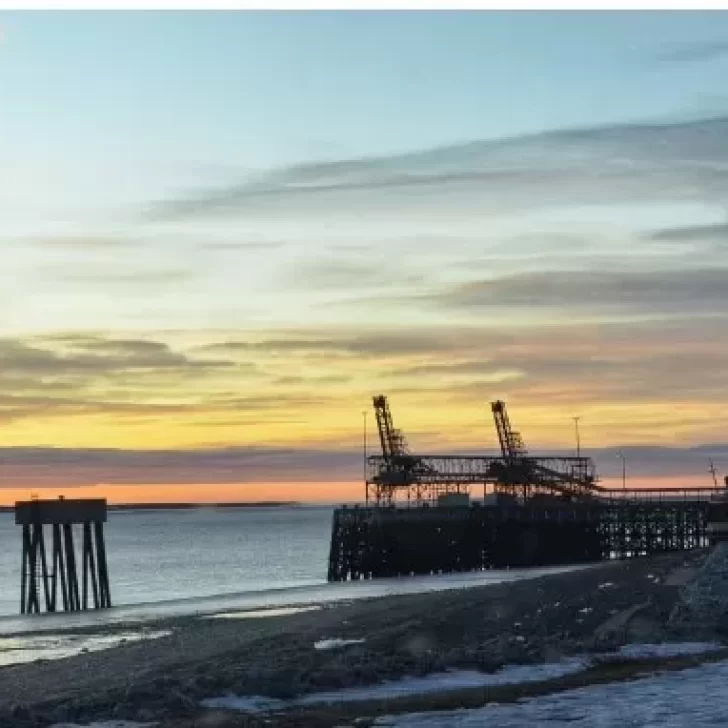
x=422 y=478
x=398 y=469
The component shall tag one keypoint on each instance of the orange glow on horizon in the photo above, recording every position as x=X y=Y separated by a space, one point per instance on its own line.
x=215 y=493
x=342 y=492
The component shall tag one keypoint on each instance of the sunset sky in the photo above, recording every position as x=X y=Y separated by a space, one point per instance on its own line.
x=222 y=233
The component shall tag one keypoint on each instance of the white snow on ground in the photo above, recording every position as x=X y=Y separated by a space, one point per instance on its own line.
x=246 y=703
x=457 y=680
x=263 y=613
x=106 y=724
x=435 y=683
x=16 y=650
x=695 y=697
x=668 y=649
x=445 y=681
x=334 y=642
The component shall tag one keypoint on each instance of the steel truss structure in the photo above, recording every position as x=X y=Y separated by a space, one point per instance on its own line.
x=423 y=478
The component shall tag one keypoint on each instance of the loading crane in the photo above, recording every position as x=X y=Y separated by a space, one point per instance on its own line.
x=423 y=478
x=398 y=469
x=564 y=478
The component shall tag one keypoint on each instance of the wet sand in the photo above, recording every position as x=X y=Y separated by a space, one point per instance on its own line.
x=479 y=628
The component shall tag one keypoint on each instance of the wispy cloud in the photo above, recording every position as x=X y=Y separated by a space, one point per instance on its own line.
x=107 y=276
x=66 y=467
x=712 y=233
x=669 y=161
x=40 y=467
x=694 y=52
x=659 y=291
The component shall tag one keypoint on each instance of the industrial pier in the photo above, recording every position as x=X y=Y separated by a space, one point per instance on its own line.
x=420 y=517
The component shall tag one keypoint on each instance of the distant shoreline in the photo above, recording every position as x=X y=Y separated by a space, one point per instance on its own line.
x=184 y=506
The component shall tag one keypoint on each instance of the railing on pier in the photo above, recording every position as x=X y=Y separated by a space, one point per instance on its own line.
x=670 y=495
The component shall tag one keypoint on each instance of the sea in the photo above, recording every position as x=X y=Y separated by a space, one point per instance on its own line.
x=165 y=555
x=201 y=561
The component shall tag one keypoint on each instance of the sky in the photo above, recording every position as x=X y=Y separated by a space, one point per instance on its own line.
x=223 y=232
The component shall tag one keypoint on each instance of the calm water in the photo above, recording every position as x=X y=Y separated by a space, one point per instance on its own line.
x=199 y=562
x=164 y=555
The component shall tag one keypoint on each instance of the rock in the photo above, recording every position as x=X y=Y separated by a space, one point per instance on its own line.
x=146 y=715
x=616 y=626
x=704 y=599
x=59 y=714
x=214 y=719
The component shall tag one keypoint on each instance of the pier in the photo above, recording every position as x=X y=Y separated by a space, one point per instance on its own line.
x=421 y=517
x=44 y=575
x=368 y=543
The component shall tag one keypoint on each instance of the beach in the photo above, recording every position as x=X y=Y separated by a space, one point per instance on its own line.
x=287 y=653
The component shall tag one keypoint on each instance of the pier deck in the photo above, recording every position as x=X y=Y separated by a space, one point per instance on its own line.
x=369 y=543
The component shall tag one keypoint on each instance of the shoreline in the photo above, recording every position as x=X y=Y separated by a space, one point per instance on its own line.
x=320 y=592
x=480 y=628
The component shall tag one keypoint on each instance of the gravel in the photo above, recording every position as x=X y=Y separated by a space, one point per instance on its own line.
x=481 y=628
x=704 y=601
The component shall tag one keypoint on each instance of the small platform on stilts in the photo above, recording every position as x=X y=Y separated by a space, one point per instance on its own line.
x=46 y=576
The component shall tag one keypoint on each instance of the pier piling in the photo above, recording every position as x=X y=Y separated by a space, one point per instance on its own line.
x=42 y=578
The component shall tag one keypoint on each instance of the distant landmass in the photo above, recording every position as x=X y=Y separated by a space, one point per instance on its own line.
x=184 y=506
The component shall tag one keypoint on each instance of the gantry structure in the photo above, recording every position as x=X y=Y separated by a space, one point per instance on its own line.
x=399 y=475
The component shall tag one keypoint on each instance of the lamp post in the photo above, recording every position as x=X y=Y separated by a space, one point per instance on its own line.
x=365 y=445
x=578 y=441
x=620 y=455
x=712 y=471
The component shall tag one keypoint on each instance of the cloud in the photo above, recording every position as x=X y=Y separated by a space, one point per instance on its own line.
x=102 y=275
x=67 y=467
x=40 y=467
x=69 y=375
x=95 y=355
x=672 y=161
x=342 y=274
x=694 y=52
x=657 y=291
x=78 y=242
x=716 y=233
x=248 y=247
x=376 y=343
x=624 y=363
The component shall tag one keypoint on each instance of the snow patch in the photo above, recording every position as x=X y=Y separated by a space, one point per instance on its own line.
x=334 y=642
x=245 y=703
x=445 y=681
x=667 y=649
x=459 y=680
x=106 y=724
x=694 y=697
x=50 y=646
x=263 y=613
x=435 y=683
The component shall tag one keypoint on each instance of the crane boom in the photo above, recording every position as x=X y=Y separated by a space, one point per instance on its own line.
x=390 y=438
x=511 y=443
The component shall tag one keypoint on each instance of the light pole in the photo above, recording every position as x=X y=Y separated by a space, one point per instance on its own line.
x=578 y=441
x=365 y=445
x=712 y=471
x=620 y=454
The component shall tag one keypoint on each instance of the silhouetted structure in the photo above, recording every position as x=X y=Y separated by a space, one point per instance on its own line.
x=43 y=574
x=423 y=479
x=540 y=511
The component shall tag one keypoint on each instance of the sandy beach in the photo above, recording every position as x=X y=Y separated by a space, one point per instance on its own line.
x=364 y=642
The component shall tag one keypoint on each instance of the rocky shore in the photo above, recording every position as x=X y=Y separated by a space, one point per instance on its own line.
x=538 y=620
